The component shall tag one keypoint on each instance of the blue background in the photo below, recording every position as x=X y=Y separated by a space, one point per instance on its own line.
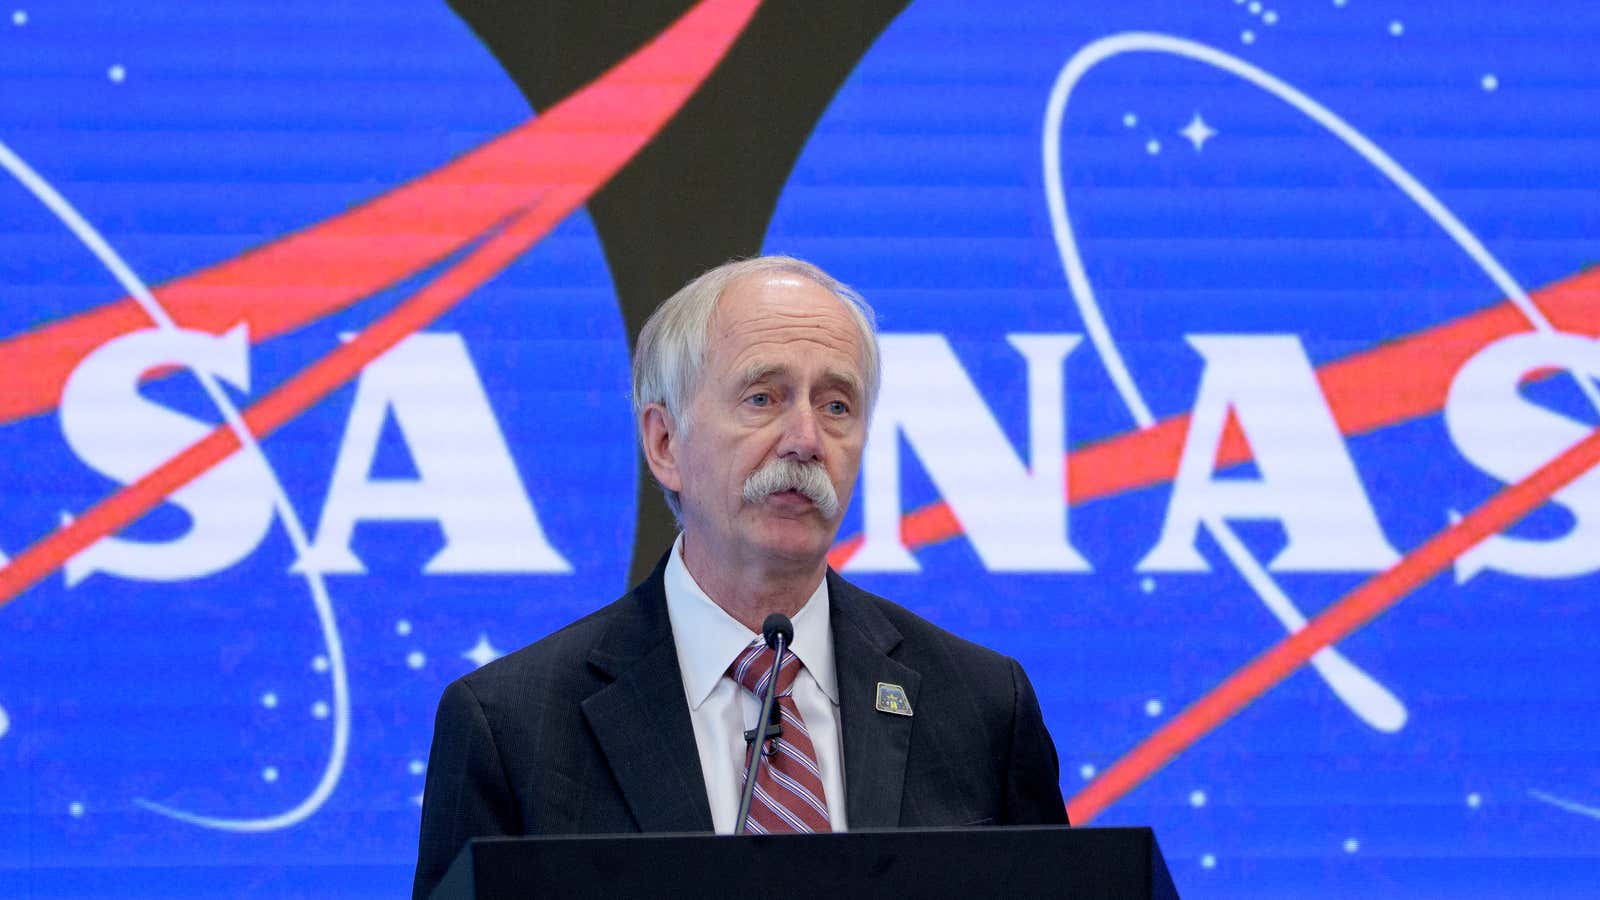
x=922 y=187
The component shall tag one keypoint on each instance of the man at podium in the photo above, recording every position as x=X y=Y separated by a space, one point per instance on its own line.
x=752 y=389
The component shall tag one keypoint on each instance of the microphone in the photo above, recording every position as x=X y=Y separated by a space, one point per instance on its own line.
x=778 y=632
x=778 y=627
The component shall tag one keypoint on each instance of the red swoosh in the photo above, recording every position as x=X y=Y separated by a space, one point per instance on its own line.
x=334 y=264
x=1334 y=624
x=557 y=161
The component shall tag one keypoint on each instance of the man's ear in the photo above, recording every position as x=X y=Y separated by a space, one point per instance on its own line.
x=660 y=450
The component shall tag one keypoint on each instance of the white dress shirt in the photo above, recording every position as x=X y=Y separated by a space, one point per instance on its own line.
x=708 y=640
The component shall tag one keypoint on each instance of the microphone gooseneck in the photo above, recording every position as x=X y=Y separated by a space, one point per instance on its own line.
x=778 y=632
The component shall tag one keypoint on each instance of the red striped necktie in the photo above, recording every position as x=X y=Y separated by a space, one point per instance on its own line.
x=789 y=795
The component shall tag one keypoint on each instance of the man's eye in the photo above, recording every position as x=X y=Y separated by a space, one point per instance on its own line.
x=838 y=408
x=759 y=399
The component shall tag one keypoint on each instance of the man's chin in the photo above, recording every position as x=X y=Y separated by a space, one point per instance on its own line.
x=800 y=536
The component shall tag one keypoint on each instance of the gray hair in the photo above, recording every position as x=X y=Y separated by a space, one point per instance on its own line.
x=671 y=353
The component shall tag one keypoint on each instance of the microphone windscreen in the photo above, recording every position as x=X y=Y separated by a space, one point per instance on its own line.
x=777 y=624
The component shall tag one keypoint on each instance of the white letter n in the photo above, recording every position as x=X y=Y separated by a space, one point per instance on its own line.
x=1015 y=515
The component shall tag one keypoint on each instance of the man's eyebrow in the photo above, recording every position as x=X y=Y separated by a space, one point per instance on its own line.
x=760 y=371
x=841 y=378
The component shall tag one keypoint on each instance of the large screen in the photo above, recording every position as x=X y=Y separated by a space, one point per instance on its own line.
x=1240 y=380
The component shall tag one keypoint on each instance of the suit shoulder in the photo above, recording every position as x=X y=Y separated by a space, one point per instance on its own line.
x=922 y=636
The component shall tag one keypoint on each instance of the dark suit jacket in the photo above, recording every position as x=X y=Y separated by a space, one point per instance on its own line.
x=588 y=731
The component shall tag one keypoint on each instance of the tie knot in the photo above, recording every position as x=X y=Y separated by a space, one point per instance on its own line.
x=754 y=667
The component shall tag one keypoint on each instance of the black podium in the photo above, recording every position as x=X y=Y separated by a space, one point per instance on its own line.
x=1119 y=863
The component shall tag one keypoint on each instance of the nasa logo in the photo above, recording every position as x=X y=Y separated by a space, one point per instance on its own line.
x=357 y=405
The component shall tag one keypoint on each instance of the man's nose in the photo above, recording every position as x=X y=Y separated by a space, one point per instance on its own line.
x=802 y=434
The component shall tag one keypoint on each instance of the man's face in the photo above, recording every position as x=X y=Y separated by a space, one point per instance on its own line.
x=782 y=381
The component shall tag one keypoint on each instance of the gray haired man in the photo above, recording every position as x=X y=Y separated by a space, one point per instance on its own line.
x=753 y=386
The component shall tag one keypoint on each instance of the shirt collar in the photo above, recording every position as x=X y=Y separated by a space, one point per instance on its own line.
x=708 y=639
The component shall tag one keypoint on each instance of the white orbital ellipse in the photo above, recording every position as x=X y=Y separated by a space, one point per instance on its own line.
x=135 y=287
x=1368 y=699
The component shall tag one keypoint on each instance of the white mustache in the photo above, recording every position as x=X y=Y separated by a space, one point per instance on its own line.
x=810 y=479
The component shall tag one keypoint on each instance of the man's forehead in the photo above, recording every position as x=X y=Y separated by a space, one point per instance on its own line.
x=766 y=302
x=762 y=293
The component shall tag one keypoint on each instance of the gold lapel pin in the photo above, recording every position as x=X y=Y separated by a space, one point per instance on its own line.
x=892 y=699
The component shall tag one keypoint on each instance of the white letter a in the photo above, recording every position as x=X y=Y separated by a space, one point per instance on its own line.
x=1307 y=481
x=466 y=479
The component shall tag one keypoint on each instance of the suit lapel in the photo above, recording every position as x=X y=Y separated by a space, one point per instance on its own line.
x=876 y=744
x=641 y=719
